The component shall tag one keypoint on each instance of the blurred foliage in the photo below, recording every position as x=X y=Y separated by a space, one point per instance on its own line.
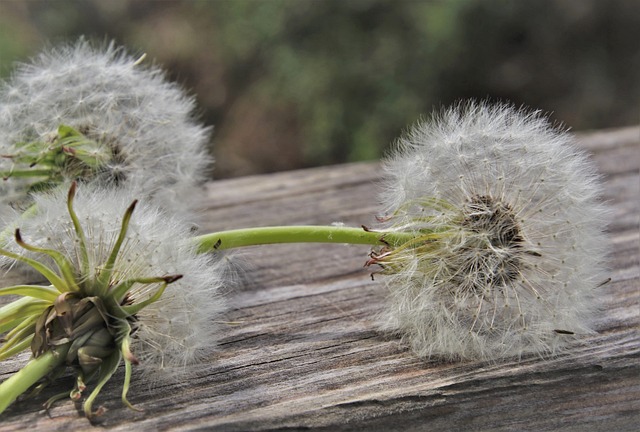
x=293 y=83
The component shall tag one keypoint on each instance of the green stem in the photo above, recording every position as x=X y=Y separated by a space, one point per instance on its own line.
x=36 y=369
x=297 y=234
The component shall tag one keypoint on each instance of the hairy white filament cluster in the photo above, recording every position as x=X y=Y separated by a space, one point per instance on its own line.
x=143 y=121
x=179 y=328
x=510 y=235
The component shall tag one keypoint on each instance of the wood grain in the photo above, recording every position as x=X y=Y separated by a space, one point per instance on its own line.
x=302 y=350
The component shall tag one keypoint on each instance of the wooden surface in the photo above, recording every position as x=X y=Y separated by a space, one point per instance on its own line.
x=301 y=349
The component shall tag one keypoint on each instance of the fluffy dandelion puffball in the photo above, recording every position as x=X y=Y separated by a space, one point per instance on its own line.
x=125 y=286
x=509 y=235
x=98 y=115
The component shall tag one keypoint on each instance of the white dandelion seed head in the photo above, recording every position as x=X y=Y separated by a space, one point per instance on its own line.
x=181 y=327
x=144 y=122
x=513 y=235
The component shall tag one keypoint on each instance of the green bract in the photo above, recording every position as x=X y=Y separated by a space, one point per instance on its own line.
x=44 y=164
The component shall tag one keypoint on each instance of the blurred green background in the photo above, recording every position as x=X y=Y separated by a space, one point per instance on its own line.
x=297 y=83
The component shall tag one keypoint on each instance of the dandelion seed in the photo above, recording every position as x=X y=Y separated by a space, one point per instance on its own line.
x=125 y=289
x=94 y=114
x=508 y=231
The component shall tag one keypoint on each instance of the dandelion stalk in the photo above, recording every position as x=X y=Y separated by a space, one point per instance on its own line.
x=30 y=374
x=297 y=234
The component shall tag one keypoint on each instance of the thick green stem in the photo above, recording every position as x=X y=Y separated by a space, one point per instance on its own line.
x=297 y=234
x=36 y=369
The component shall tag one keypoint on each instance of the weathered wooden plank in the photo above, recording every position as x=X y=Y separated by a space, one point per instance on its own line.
x=301 y=349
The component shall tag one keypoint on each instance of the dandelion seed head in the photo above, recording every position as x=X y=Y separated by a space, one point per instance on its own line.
x=170 y=334
x=141 y=121
x=511 y=235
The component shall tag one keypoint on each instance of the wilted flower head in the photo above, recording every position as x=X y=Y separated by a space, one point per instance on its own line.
x=508 y=230
x=129 y=288
x=97 y=115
